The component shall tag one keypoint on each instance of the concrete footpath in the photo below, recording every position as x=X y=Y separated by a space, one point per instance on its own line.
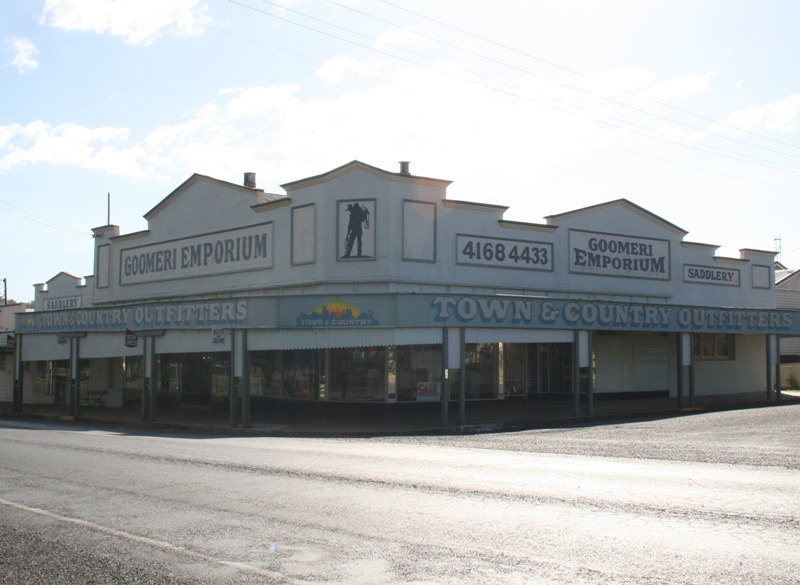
x=366 y=420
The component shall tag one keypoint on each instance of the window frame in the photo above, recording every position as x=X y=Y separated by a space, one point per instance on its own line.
x=706 y=346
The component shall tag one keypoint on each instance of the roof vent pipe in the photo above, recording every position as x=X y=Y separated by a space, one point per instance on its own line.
x=404 y=167
x=250 y=180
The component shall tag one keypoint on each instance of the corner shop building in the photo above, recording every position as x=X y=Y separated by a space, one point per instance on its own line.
x=368 y=286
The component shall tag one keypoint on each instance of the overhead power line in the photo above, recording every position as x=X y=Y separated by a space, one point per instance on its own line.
x=560 y=83
x=30 y=217
x=561 y=107
x=566 y=69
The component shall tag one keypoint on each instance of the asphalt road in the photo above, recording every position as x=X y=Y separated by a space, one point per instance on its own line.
x=708 y=498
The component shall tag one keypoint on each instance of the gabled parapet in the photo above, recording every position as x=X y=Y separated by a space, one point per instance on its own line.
x=361 y=228
x=63 y=291
x=762 y=267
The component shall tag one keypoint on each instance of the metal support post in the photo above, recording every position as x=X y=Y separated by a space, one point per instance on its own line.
x=576 y=375
x=462 y=394
x=233 y=390
x=16 y=396
x=680 y=339
x=445 y=377
x=145 y=392
x=590 y=375
x=153 y=386
x=768 y=356
x=245 y=382
x=690 y=356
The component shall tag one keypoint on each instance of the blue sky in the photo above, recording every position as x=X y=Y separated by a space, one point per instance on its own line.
x=686 y=108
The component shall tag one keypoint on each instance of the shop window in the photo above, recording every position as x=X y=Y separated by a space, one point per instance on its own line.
x=300 y=373
x=513 y=358
x=131 y=377
x=713 y=346
x=415 y=365
x=194 y=378
x=358 y=374
x=43 y=378
x=60 y=380
x=265 y=375
x=550 y=368
x=132 y=372
x=481 y=365
x=84 y=376
x=297 y=374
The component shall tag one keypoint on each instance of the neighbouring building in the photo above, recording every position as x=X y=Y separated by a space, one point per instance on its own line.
x=364 y=285
x=8 y=344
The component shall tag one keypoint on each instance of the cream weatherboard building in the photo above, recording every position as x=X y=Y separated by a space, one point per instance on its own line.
x=363 y=285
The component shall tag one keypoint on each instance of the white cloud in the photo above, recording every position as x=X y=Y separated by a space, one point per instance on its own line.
x=264 y=102
x=333 y=70
x=491 y=141
x=679 y=87
x=780 y=116
x=68 y=144
x=23 y=50
x=617 y=82
x=139 y=22
x=396 y=37
x=445 y=118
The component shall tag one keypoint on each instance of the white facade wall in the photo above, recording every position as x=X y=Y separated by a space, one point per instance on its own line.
x=747 y=373
x=207 y=206
x=418 y=243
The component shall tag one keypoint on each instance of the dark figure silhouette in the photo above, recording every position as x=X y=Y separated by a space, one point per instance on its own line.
x=358 y=215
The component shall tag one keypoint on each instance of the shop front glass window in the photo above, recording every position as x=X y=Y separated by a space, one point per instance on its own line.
x=415 y=365
x=513 y=368
x=300 y=374
x=358 y=374
x=481 y=365
x=43 y=380
x=290 y=373
x=713 y=346
x=84 y=376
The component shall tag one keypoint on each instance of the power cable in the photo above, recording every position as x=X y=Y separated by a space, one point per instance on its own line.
x=702 y=169
x=557 y=66
x=369 y=38
x=545 y=78
x=518 y=96
x=281 y=49
x=25 y=215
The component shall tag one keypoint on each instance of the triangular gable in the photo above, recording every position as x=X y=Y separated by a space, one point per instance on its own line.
x=784 y=276
x=78 y=281
x=191 y=181
x=356 y=164
x=624 y=203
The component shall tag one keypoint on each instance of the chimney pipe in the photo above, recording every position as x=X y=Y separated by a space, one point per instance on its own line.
x=250 y=180
x=404 y=167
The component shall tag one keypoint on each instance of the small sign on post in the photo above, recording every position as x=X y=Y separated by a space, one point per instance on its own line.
x=131 y=339
x=218 y=336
